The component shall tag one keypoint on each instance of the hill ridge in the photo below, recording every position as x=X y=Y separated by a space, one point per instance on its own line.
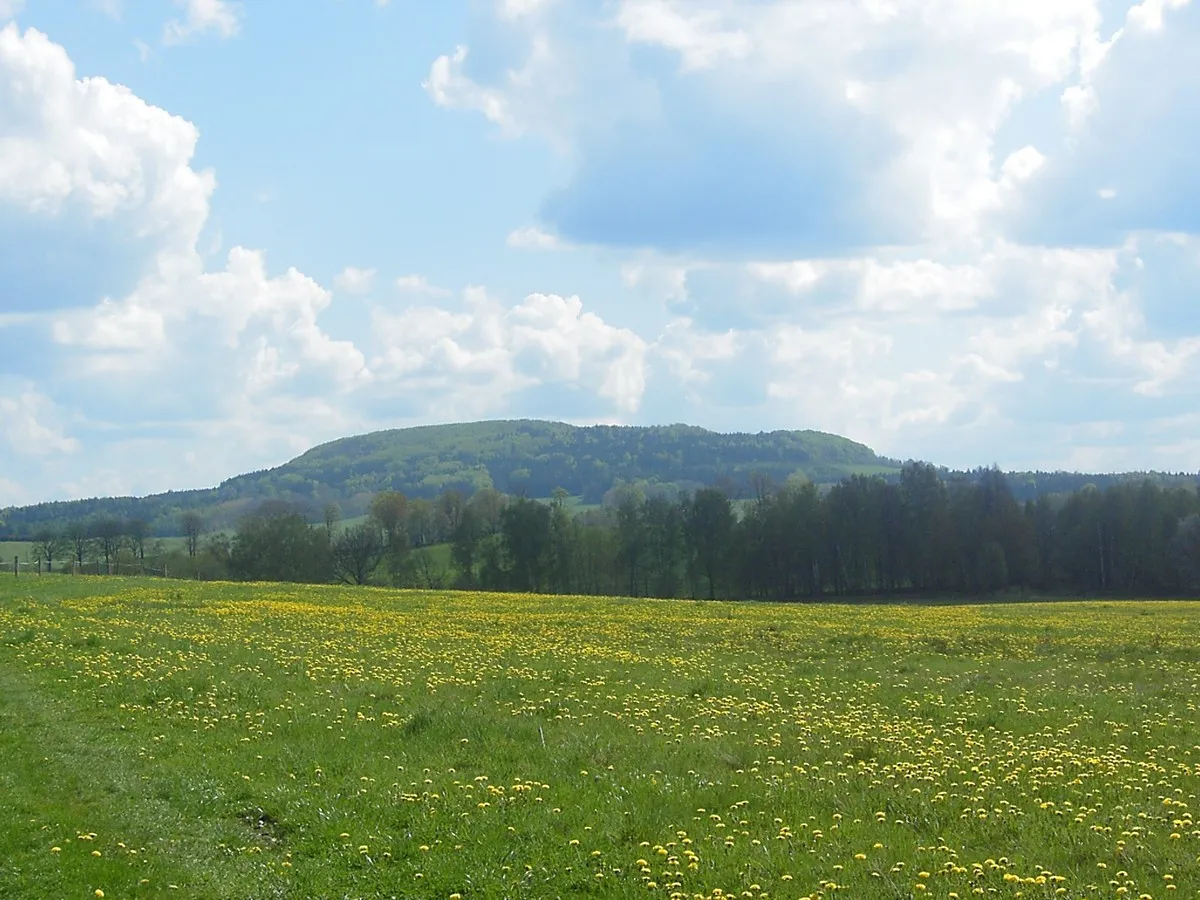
x=528 y=456
x=531 y=456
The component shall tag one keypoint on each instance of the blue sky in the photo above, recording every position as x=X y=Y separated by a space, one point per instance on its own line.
x=968 y=233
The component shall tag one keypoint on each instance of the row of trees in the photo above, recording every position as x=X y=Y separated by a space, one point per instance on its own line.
x=103 y=542
x=864 y=536
x=919 y=535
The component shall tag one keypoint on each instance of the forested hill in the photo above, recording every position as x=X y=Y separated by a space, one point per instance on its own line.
x=529 y=457
x=526 y=457
x=534 y=458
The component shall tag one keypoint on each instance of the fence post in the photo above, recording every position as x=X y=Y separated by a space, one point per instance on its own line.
x=16 y=567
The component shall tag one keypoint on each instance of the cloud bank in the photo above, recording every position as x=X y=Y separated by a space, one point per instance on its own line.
x=963 y=232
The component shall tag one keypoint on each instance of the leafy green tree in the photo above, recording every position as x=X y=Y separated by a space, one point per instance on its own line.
x=598 y=571
x=390 y=515
x=662 y=526
x=563 y=543
x=708 y=523
x=925 y=506
x=1003 y=521
x=525 y=531
x=357 y=552
x=278 y=544
x=855 y=532
x=1081 y=541
x=794 y=535
x=991 y=567
x=1043 y=520
x=389 y=509
x=450 y=506
x=465 y=539
x=1185 y=553
x=217 y=550
x=421 y=521
x=631 y=541
x=486 y=505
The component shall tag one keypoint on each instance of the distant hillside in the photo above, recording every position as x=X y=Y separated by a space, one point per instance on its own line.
x=530 y=457
x=536 y=457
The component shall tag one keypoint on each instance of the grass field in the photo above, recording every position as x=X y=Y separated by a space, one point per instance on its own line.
x=207 y=740
x=25 y=549
x=9 y=549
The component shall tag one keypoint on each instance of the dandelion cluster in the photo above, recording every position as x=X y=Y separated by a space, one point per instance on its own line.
x=452 y=744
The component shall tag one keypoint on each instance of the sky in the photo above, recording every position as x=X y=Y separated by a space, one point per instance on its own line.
x=229 y=231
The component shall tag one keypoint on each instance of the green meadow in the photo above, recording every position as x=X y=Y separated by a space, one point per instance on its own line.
x=214 y=740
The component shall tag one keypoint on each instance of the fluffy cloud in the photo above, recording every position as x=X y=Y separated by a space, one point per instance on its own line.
x=243 y=350
x=449 y=87
x=530 y=237
x=958 y=232
x=219 y=17
x=666 y=280
x=957 y=363
x=32 y=423
x=419 y=284
x=472 y=359
x=181 y=311
x=92 y=150
x=534 y=80
x=515 y=9
x=867 y=217
x=1124 y=160
x=897 y=123
x=355 y=281
x=702 y=37
x=79 y=156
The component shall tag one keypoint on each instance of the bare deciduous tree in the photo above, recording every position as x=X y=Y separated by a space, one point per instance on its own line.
x=49 y=544
x=332 y=514
x=107 y=534
x=192 y=524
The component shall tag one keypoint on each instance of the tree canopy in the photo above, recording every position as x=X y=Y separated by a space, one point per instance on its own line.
x=530 y=459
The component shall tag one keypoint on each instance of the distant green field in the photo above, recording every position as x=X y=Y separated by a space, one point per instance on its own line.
x=869 y=469
x=229 y=741
x=24 y=549
x=440 y=553
x=9 y=549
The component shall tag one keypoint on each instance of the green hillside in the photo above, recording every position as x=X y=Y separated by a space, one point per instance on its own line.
x=536 y=457
x=530 y=457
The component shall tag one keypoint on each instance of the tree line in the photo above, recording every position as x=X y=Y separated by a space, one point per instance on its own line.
x=920 y=535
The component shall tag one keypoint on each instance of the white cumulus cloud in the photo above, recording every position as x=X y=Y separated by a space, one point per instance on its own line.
x=30 y=426
x=531 y=237
x=471 y=359
x=91 y=148
x=419 y=284
x=355 y=281
x=219 y=17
